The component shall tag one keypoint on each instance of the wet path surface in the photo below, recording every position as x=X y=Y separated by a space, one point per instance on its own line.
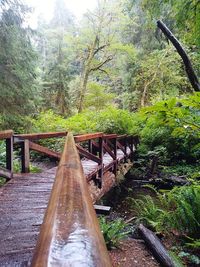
x=23 y=202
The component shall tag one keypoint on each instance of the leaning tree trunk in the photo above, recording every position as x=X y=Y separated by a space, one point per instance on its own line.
x=188 y=65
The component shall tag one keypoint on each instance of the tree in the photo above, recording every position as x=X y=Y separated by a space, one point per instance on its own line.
x=96 y=97
x=100 y=43
x=57 y=63
x=17 y=63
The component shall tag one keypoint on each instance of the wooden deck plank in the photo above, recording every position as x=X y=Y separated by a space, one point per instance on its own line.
x=23 y=201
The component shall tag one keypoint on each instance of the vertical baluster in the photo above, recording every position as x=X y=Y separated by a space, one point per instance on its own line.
x=101 y=140
x=90 y=146
x=115 y=152
x=25 y=156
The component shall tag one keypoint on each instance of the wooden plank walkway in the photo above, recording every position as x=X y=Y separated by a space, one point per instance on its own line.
x=23 y=201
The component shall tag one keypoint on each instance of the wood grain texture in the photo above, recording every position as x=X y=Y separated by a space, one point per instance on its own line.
x=70 y=234
x=85 y=137
x=44 y=150
x=24 y=199
x=6 y=134
x=36 y=136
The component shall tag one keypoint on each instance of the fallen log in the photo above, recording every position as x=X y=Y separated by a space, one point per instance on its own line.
x=156 y=247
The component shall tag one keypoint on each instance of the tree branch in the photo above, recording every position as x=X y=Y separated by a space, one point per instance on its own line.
x=97 y=67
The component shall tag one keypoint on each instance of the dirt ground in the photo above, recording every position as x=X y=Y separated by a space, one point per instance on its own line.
x=132 y=253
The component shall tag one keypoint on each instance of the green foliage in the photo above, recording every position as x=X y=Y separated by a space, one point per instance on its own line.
x=193 y=259
x=176 y=259
x=96 y=98
x=2 y=181
x=17 y=64
x=177 y=209
x=190 y=171
x=110 y=120
x=192 y=243
x=113 y=231
x=174 y=125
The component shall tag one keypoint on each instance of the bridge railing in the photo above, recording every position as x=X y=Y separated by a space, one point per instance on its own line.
x=7 y=172
x=91 y=146
x=70 y=233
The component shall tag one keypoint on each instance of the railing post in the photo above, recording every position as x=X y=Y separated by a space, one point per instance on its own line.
x=115 y=152
x=125 y=148
x=101 y=140
x=90 y=146
x=25 y=156
x=9 y=154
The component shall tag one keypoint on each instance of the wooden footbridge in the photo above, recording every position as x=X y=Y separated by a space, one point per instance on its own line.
x=48 y=218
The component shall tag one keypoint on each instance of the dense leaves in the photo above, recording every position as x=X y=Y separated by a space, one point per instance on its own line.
x=17 y=66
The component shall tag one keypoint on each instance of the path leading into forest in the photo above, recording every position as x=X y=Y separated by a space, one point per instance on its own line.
x=24 y=199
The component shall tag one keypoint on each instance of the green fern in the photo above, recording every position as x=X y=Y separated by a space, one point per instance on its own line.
x=113 y=231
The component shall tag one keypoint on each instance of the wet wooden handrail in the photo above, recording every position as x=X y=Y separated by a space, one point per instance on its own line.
x=70 y=233
x=6 y=134
x=110 y=136
x=35 y=136
x=86 y=137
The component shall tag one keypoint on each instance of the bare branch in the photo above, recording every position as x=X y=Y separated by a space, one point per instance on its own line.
x=97 y=67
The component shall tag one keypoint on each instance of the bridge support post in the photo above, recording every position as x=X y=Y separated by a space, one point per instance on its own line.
x=25 y=156
x=9 y=154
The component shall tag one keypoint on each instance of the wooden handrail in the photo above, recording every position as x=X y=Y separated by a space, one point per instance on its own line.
x=85 y=137
x=35 y=136
x=6 y=134
x=121 y=136
x=110 y=136
x=70 y=233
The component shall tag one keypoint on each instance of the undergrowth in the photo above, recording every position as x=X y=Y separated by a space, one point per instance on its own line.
x=175 y=212
x=113 y=231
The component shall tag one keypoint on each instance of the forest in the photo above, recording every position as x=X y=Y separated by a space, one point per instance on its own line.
x=115 y=71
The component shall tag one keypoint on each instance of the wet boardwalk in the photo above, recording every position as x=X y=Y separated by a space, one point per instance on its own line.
x=23 y=202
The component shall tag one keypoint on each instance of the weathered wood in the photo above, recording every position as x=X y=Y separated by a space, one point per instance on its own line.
x=9 y=154
x=110 y=152
x=155 y=245
x=70 y=234
x=44 y=150
x=101 y=157
x=121 y=147
x=109 y=136
x=25 y=156
x=122 y=136
x=104 y=210
x=36 y=136
x=6 y=134
x=85 y=137
x=88 y=155
x=115 y=152
x=188 y=65
x=6 y=173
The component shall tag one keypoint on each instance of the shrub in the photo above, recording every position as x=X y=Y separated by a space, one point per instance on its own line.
x=177 y=209
x=173 y=124
x=110 y=120
x=113 y=231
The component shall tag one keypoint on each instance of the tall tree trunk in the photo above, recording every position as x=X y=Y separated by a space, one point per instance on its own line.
x=83 y=89
x=145 y=91
x=85 y=74
x=188 y=65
